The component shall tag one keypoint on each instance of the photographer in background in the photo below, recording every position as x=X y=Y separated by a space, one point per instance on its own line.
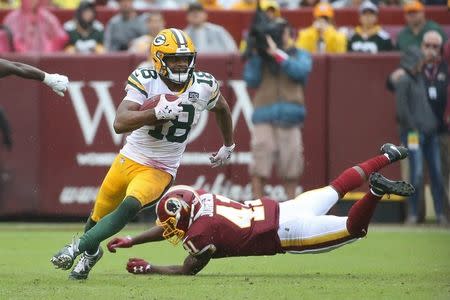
x=279 y=72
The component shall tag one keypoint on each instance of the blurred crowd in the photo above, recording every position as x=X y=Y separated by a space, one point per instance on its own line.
x=212 y=4
x=133 y=29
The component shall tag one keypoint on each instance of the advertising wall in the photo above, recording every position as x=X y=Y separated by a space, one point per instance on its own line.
x=64 y=146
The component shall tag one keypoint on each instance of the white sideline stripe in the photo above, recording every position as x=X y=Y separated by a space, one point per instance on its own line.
x=105 y=159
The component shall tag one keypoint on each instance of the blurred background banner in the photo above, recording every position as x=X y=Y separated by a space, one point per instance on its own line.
x=64 y=146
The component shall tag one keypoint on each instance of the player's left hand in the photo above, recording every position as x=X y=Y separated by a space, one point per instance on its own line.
x=138 y=266
x=58 y=83
x=222 y=156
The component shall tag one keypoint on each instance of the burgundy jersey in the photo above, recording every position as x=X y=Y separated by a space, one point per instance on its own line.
x=233 y=228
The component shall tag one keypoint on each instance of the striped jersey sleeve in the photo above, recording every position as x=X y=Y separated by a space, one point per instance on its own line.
x=214 y=95
x=135 y=90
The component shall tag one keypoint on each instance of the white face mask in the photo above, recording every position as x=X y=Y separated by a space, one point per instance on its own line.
x=180 y=77
x=177 y=77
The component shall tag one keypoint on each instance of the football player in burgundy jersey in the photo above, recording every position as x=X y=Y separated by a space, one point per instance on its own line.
x=213 y=226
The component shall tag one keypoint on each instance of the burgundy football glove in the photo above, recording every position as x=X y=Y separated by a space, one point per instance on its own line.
x=120 y=242
x=138 y=266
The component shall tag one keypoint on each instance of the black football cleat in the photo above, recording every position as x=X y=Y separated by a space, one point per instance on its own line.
x=381 y=185
x=394 y=152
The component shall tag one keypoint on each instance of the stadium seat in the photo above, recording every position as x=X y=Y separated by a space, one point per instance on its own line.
x=393 y=30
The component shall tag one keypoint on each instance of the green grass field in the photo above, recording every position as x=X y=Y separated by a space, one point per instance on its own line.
x=392 y=263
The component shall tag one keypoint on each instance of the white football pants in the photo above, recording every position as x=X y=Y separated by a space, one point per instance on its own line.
x=304 y=227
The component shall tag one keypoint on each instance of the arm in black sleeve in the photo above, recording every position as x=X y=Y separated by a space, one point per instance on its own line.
x=6 y=130
x=402 y=104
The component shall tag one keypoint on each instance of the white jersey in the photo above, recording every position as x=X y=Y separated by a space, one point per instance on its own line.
x=162 y=146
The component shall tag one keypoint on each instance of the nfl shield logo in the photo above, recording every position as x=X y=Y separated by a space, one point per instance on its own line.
x=193 y=96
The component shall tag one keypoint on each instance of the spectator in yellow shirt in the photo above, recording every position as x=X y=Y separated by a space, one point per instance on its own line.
x=8 y=4
x=244 y=5
x=322 y=36
x=210 y=4
x=67 y=4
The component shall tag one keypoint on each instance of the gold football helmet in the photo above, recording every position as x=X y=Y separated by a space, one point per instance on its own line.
x=168 y=43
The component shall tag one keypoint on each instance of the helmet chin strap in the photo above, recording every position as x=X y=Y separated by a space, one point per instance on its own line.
x=192 y=218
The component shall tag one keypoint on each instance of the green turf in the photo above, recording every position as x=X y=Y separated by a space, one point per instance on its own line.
x=392 y=263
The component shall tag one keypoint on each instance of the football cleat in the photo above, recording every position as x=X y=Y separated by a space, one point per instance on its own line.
x=65 y=257
x=381 y=185
x=85 y=265
x=394 y=152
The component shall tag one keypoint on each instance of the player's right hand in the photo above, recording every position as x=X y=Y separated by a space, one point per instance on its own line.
x=120 y=242
x=168 y=110
x=58 y=83
x=138 y=266
x=222 y=156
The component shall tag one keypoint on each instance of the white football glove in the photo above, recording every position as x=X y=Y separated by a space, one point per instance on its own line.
x=168 y=110
x=222 y=156
x=58 y=83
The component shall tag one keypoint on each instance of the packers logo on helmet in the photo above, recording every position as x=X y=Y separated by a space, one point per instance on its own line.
x=159 y=40
x=169 y=43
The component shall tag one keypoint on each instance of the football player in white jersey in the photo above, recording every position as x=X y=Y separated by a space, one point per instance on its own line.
x=147 y=164
x=58 y=83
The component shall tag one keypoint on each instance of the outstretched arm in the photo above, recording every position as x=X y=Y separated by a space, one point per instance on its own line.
x=191 y=266
x=19 y=69
x=154 y=234
x=58 y=83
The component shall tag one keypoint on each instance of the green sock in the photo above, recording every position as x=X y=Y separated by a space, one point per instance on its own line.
x=110 y=224
x=89 y=224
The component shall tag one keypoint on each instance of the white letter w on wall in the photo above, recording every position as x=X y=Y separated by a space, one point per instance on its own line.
x=89 y=124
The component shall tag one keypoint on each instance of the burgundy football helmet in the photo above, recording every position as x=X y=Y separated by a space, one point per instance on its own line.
x=175 y=212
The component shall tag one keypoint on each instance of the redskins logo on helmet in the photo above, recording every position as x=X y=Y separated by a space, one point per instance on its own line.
x=168 y=43
x=175 y=212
